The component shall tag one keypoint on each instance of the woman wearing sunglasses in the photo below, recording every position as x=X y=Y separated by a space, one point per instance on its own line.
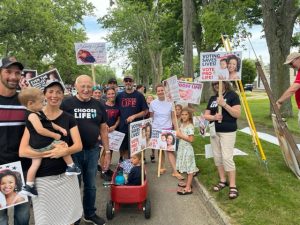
x=223 y=128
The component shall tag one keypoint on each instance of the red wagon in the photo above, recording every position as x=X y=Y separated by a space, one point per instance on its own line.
x=125 y=194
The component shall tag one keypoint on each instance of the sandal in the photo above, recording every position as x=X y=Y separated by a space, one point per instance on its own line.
x=178 y=176
x=218 y=187
x=233 y=192
x=184 y=192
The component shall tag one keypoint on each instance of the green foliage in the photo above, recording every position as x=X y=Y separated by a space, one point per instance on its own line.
x=103 y=74
x=266 y=196
x=248 y=71
x=227 y=17
x=42 y=33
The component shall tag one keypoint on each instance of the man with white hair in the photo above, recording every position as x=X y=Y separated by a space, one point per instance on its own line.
x=91 y=118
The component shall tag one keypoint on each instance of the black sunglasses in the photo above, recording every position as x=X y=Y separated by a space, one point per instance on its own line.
x=127 y=80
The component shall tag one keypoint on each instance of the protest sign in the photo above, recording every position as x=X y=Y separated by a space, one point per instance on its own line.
x=171 y=89
x=41 y=80
x=158 y=139
x=163 y=139
x=115 y=140
x=12 y=181
x=190 y=92
x=26 y=75
x=140 y=135
x=216 y=66
x=90 y=53
x=201 y=123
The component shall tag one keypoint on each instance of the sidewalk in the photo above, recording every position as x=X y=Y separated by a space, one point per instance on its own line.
x=167 y=207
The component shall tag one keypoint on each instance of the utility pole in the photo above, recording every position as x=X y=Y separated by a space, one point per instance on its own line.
x=187 y=8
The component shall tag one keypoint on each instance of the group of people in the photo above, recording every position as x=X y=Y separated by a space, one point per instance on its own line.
x=73 y=128
x=77 y=121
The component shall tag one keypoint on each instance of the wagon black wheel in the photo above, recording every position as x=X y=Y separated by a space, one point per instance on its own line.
x=110 y=210
x=147 y=209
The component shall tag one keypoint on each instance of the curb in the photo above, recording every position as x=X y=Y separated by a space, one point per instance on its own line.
x=211 y=205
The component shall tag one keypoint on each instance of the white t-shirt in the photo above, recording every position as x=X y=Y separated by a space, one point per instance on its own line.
x=162 y=111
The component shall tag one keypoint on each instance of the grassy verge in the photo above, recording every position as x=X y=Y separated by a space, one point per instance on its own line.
x=266 y=196
x=260 y=112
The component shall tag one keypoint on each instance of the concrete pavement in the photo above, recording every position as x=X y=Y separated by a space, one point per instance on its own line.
x=167 y=207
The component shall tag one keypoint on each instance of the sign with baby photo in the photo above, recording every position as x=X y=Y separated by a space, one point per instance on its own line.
x=216 y=66
x=201 y=123
x=26 y=75
x=115 y=139
x=140 y=135
x=163 y=139
x=171 y=89
x=90 y=53
x=41 y=80
x=12 y=181
x=190 y=92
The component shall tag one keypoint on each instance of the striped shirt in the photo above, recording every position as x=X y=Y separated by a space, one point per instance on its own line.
x=12 y=123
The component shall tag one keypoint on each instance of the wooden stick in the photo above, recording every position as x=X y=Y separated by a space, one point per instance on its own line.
x=142 y=170
x=159 y=163
x=93 y=74
x=220 y=94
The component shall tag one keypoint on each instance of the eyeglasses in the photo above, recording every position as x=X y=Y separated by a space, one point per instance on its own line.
x=127 y=80
x=214 y=84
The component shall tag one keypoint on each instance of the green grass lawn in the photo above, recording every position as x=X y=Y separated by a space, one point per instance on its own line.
x=267 y=196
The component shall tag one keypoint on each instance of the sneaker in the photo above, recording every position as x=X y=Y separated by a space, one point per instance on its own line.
x=73 y=170
x=105 y=176
x=29 y=191
x=96 y=220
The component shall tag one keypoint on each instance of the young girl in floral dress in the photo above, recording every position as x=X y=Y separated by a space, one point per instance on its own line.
x=185 y=162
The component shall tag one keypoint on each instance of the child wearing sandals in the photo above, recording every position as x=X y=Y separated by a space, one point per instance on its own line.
x=185 y=162
x=42 y=135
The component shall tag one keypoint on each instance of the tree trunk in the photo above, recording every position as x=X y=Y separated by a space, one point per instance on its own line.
x=278 y=23
x=187 y=7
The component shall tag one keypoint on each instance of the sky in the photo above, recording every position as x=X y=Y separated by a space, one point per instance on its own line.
x=97 y=34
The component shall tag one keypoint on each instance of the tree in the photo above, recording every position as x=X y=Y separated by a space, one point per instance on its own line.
x=248 y=71
x=42 y=33
x=278 y=21
x=187 y=8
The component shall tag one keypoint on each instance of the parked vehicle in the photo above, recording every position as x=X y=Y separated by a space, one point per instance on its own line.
x=248 y=87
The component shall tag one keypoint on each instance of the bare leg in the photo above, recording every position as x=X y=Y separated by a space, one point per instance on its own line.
x=68 y=159
x=163 y=166
x=221 y=172
x=189 y=181
x=33 y=169
x=231 y=176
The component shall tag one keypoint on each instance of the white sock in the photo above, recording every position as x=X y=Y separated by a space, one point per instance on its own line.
x=71 y=165
x=30 y=183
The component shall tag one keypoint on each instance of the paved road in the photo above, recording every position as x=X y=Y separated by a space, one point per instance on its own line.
x=168 y=208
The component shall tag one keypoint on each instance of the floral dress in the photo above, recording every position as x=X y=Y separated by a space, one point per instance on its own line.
x=185 y=162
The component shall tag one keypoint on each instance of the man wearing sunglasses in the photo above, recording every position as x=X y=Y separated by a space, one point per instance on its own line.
x=133 y=107
x=293 y=60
